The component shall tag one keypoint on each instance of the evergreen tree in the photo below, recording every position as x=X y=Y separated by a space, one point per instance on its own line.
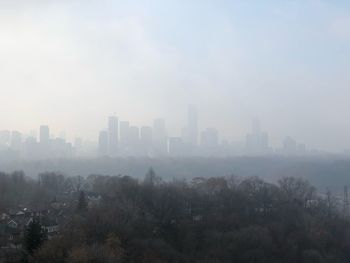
x=151 y=178
x=34 y=236
x=82 y=204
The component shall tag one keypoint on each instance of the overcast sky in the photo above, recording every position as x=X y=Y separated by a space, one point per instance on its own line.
x=70 y=64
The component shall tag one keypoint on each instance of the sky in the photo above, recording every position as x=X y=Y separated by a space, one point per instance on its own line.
x=70 y=64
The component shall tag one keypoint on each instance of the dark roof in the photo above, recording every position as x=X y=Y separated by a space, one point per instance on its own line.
x=47 y=221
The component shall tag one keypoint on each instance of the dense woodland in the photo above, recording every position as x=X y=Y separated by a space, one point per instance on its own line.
x=218 y=219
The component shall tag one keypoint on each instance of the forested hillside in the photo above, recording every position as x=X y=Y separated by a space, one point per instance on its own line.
x=122 y=219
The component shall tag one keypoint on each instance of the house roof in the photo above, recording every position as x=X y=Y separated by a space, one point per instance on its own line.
x=47 y=221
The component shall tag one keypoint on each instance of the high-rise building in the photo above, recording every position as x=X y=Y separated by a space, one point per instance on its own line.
x=44 y=135
x=124 y=141
x=103 y=143
x=113 y=135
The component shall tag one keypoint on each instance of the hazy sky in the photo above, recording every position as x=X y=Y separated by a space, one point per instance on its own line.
x=70 y=64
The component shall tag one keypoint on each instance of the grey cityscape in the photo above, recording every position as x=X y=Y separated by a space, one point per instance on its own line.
x=187 y=131
x=121 y=138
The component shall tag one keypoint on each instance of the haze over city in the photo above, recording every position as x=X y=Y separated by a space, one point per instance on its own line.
x=174 y=131
x=70 y=64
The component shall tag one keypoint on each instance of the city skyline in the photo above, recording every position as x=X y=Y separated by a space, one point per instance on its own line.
x=235 y=60
x=121 y=138
x=174 y=131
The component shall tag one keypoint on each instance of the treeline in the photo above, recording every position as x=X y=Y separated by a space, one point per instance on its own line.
x=225 y=219
x=323 y=172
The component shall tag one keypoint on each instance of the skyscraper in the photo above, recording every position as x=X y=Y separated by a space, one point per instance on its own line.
x=44 y=135
x=124 y=141
x=113 y=135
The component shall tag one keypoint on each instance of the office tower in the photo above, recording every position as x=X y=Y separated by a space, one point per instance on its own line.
x=192 y=126
x=146 y=137
x=16 y=140
x=160 y=147
x=103 y=143
x=44 y=135
x=123 y=146
x=113 y=135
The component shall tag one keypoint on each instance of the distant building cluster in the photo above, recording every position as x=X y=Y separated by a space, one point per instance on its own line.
x=123 y=139
x=14 y=144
